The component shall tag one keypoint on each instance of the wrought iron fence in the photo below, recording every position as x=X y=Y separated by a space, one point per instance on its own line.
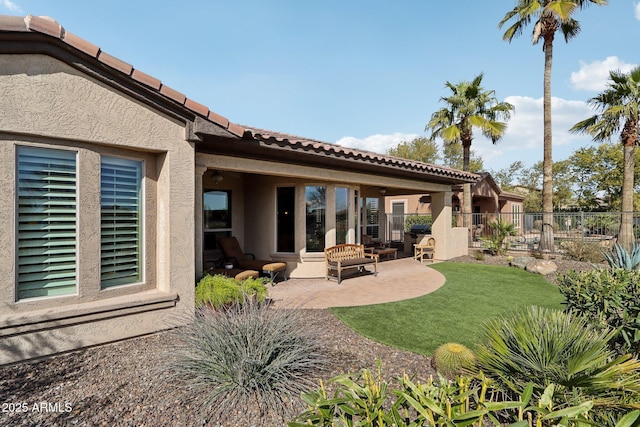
x=597 y=227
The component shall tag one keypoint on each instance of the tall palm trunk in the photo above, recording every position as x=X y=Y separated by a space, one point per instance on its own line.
x=629 y=138
x=466 y=188
x=546 y=238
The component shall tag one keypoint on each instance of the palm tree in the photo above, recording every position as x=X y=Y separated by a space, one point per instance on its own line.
x=550 y=16
x=469 y=106
x=619 y=105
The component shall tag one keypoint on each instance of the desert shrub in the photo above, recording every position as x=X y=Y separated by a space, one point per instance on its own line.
x=607 y=299
x=619 y=257
x=479 y=255
x=368 y=400
x=416 y=220
x=550 y=347
x=451 y=359
x=579 y=250
x=246 y=359
x=255 y=287
x=219 y=291
x=602 y=224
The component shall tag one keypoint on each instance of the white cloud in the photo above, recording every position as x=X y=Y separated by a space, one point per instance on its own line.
x=523 y=140
x=8 y=4
x=376 y=143
x=594 y=76
x=636 y=8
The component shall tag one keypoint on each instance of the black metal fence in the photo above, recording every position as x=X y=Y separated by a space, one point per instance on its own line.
x=599 y=227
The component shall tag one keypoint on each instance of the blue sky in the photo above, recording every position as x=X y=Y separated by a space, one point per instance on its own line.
x=366 y=74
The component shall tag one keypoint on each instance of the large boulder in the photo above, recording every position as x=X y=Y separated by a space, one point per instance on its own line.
x=541 y=266
x=522 y=261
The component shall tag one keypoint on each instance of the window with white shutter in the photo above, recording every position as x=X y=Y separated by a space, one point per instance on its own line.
x=121 y=221
x=46 y=222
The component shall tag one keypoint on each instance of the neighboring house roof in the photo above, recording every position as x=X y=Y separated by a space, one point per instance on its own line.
x=199 y=119
x=486 y=178
x=511 y=196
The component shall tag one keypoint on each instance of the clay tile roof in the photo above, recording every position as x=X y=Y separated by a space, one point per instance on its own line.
x=50 y=27
x=278 y=138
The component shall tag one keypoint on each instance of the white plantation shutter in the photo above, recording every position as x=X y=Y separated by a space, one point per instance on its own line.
x=121 y=221
x=46 y=222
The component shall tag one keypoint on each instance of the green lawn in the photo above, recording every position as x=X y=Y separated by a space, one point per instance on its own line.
x=453 y=313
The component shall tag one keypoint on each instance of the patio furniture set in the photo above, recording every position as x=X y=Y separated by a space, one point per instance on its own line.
x=231 y=261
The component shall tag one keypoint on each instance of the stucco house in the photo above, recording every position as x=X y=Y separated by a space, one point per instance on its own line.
x=115 y=185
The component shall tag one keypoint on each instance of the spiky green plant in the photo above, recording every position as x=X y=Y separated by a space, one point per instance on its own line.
x=498 y=244
x=246 y=359
x=451 y=359
x=619 y=257
x=546 y=347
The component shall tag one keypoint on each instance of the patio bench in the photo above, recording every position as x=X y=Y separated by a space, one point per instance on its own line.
x=348 y=256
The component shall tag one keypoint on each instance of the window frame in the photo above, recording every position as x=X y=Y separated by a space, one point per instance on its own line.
x=76 y=176
x=216 y=232
x=141 y=222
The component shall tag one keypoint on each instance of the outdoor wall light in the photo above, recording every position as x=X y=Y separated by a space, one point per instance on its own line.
x=217 y=177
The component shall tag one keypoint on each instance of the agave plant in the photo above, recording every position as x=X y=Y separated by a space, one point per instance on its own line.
x=619 y=257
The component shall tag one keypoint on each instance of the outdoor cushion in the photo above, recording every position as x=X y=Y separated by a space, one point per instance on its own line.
x=353 y=261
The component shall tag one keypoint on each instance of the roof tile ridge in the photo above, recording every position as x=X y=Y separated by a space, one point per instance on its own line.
x=282 y=136
x=49 y=26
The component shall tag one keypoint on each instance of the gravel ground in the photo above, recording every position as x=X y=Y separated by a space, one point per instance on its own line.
x=122 y=384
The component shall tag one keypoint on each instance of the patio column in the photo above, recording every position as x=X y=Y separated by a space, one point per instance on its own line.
x=451 y=241
x=199 y=174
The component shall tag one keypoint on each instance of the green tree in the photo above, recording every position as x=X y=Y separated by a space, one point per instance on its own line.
x=453 y=157
x=469 y=106
x=420 y=149
x=601 y=170
x=549 y=16
x=619 y=107
x=507 y=178
x=528 y=182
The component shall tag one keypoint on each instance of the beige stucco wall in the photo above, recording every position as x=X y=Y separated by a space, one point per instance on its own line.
x=46 y=103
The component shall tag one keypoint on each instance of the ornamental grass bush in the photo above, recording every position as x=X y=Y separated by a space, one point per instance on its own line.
x=246 y=359
x=546 y=347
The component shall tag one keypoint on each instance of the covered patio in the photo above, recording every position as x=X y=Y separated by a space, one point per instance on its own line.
x=397 y=280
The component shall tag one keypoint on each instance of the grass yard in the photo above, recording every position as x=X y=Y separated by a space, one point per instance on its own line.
x=453 y=313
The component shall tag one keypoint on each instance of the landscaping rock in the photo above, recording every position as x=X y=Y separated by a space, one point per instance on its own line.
x=522 y=261
x=541 y=266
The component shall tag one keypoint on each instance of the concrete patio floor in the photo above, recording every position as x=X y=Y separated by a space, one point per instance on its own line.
x=397 y=280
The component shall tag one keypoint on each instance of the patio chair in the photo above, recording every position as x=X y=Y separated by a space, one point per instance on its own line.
x=247 y=261
x=214 y=263
x=233 y=253
x=426 y=247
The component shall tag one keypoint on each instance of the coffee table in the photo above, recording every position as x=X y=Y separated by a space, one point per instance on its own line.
x=383 y=251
